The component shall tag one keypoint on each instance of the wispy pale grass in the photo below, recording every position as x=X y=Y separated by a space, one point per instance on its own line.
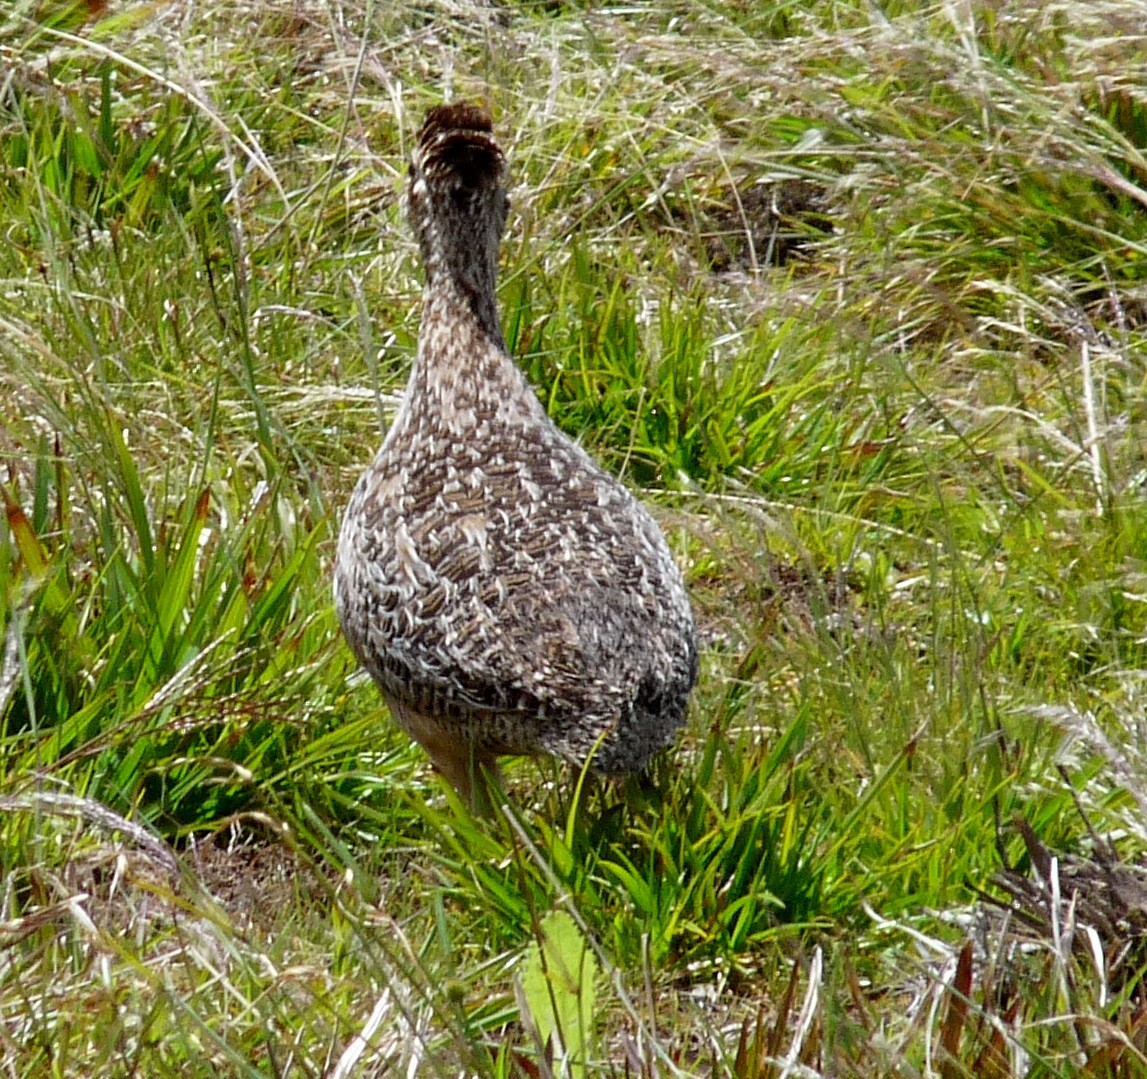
x=854 y=293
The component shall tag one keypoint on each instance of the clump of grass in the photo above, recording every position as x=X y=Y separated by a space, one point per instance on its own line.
x=90 y=168
x=899 y=454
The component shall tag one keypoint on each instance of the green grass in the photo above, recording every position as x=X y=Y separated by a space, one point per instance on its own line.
x=854 y=294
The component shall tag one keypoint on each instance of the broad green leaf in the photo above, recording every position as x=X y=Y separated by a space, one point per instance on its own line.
x=558 y=982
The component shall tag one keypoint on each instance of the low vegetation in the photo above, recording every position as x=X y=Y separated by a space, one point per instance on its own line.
x=855 y=294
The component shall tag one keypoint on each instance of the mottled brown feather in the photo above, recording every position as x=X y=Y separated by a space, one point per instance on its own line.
x=506 y=594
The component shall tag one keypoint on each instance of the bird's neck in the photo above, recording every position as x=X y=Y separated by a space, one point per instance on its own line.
x=457 y=306
x=461 y=273
x=462 y=370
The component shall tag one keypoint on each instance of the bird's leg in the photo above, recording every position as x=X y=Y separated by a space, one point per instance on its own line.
x=473 y=773
x=486 y=793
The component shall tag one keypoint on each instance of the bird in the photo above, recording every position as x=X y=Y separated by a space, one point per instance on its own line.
x=507 y=595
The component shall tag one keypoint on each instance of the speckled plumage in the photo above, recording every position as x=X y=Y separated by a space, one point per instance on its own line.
x=506 y=594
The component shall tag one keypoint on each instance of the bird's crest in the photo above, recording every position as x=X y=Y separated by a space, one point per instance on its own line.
x=456 y=143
